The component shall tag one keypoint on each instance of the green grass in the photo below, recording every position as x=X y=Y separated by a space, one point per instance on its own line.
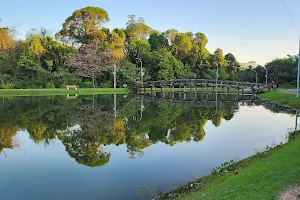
x=262 y=176
x=282 y=98
x=46 y=92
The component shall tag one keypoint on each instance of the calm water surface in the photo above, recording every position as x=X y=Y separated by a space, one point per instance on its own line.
x=84 y=148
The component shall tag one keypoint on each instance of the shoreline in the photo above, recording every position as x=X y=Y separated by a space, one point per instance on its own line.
x=251 y=176
x=56 y=91
x=238 y=175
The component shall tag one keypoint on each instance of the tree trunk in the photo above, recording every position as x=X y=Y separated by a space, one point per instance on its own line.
x=2 y=81
x=96 y=82
x=93 y=80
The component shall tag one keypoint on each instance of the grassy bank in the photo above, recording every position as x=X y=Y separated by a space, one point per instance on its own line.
x=46 y=92
x=282 y=98
x=262 y=176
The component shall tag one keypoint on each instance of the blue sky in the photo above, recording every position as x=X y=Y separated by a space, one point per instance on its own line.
x=258 y=30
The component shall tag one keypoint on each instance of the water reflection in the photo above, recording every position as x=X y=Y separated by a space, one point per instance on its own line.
x=177 y=131
x=86 y=124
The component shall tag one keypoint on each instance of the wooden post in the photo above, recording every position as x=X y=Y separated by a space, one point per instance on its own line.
x=173 y=90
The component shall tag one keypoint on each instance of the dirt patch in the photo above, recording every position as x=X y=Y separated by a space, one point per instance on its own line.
x=292 y=193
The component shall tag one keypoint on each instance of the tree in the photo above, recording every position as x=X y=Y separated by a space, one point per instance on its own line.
x=83 y=26
x=218 y=57
x=6 y=41
x=116 y=44
x=182 y=45
x=92 y=59
x=158 y=41
x=36 y=46
x=232 y=62
x=137 y=29
x=200 y=39
x=169 y=67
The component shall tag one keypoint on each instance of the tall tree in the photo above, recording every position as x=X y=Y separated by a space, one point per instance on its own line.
x=218 y=57
x=117 y=44
x=137 y=29
x=182 y=45
x=6 y=40
x=83 y=26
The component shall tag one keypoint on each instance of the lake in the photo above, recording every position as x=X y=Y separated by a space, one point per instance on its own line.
x=126 y=146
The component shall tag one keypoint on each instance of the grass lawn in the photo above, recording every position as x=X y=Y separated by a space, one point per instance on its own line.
x=282 y=98
x=45 y=92
x=262 y=176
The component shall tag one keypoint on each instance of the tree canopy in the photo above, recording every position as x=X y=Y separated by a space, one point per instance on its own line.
x=84 y=51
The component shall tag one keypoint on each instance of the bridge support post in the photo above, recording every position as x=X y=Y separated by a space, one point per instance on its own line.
x=173 y=90
x=184 y=89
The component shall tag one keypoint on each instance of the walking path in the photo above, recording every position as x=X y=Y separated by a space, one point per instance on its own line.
x=288 y=91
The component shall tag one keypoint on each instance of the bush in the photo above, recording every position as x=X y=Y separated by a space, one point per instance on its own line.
x=8 y=86
x=50 y=85
x=106 y=84
x=86 y=84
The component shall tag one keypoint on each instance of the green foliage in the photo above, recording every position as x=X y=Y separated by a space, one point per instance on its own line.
x=169 y=66
x=137 y=29
x=158 y=41
x=40 y=59
x=83 y=25
x=50 y=85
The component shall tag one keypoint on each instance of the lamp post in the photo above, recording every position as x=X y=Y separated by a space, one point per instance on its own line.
x=142 y=74
x=266 y=75
x=256 y=77
x=115 y=75
x=217 y=74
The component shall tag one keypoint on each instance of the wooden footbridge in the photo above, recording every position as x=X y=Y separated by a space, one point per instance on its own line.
x=189 y=84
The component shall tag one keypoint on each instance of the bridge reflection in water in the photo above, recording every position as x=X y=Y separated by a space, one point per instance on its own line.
x=186 y=85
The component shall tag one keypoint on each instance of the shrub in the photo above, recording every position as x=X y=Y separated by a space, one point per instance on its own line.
x=106 y=84
x=50 y=85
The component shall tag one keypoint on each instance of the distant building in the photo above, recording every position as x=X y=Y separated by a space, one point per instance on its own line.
x=246 y=65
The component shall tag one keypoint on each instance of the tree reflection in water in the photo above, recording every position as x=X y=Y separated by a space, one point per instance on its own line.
x=87 y=124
